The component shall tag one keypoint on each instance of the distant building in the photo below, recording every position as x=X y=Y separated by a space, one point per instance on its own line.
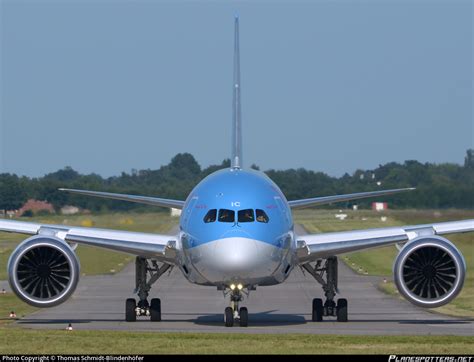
x=175 y=212
x=379 y=206
x=11 y=213
x=69 y=210
x=35 y=206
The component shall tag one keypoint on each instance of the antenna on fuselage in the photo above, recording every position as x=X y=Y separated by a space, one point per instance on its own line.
x=236 y=160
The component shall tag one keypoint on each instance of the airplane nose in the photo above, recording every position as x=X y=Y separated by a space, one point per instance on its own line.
x=237 y=257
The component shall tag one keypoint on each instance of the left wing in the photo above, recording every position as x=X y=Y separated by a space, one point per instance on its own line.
x=318 y=246
x=324 y=200
x=157 y=246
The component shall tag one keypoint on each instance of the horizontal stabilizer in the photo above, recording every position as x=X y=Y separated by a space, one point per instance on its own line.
x=154 y=201
x=299 y=204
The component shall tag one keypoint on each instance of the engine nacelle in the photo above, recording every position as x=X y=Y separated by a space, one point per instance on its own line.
x=43 y=271
x=429 y=271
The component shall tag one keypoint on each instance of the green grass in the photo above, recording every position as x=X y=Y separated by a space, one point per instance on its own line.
x=380 y=261
x=9 y=302
x=94 y=260
x=14 y=340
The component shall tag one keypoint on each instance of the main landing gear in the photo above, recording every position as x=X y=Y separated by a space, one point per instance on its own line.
x=143 y=308
x=327 y=277
x=233 y=313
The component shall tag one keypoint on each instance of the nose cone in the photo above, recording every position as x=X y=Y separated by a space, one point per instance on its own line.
x=237 y=257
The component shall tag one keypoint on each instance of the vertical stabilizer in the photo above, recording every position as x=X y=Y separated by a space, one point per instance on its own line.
x=236 y=160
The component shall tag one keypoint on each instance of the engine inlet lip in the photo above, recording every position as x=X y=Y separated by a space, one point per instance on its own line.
x=450 y=249
x=49 y=242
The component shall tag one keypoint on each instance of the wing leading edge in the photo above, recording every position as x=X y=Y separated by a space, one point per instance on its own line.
x=324 y=200
x=154 y=201
x=157 y=246
x=317 y=246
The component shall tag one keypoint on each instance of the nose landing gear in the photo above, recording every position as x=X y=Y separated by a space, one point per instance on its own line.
x=233 y=313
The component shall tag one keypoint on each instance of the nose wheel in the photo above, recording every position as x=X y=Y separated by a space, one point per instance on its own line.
x=244 y=317
x=229 y=317
x=233 y=313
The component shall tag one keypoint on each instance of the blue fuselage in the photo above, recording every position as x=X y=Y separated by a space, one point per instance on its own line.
x=236 y=227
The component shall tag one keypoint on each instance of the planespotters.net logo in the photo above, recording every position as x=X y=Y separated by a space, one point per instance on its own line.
x=395 y=358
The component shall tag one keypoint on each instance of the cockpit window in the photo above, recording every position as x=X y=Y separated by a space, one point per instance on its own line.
x=210 y=216
x=226 y=215
x=246 y=215
x=261 y=216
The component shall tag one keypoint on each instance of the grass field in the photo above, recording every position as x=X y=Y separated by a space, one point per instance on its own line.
x=380 y=261
x=9 y=302
x=101 y=342
x=94 y=260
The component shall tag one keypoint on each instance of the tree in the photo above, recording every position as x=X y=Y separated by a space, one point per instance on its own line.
x=469 y=159
x=67 y=174
x=185 y=161
x=438 y=185
x=12 y=194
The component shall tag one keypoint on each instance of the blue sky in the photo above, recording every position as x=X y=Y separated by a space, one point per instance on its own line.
x=332 y=86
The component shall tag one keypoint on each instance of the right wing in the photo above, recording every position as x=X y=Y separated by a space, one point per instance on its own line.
x=156 y=246
x=319 y=246
x=155 y=201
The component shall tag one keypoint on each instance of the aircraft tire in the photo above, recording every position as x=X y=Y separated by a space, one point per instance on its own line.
x=130 y=314
x=244 y=317
x=155 y=310
x=229 y=317
x=341 y=310
x=317 y=310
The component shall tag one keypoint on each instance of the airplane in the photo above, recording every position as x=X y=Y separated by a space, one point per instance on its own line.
x=236 y=233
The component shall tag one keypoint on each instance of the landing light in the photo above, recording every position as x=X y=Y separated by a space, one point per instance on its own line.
x=232 y=286
x=240 y=286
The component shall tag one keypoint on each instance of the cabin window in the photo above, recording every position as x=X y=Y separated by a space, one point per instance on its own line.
x=246 y=215
x=210 y=216
x=226 y=215
x=261 y=216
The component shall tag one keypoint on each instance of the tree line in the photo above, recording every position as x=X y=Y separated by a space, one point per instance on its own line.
x=445 y=185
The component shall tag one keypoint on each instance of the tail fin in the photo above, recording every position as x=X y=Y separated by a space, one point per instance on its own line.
x=236 y=160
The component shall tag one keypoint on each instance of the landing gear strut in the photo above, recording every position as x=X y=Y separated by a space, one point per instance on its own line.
x=233 y=312
x=327 y=276
x=133 y=309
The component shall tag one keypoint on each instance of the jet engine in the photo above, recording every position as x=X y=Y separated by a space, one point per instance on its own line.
x=429 y=271
x=43 y=271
